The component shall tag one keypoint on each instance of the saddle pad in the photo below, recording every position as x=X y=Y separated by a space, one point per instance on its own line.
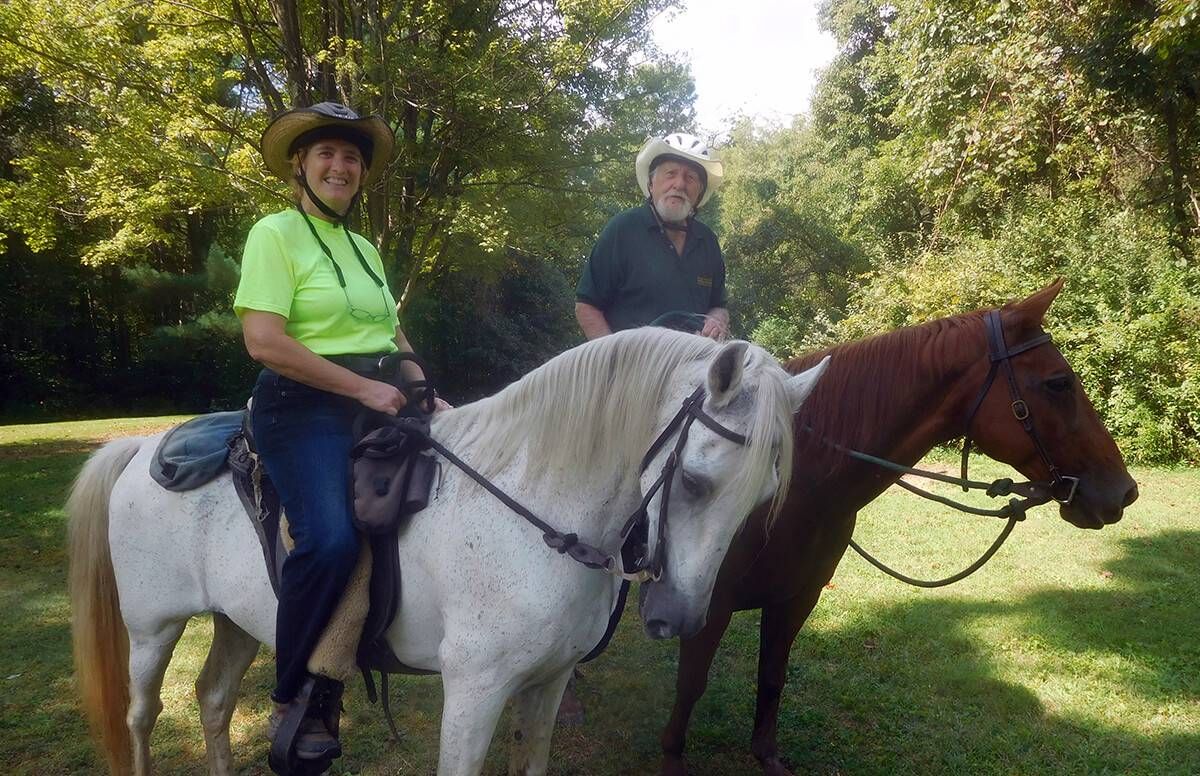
x=195 y=452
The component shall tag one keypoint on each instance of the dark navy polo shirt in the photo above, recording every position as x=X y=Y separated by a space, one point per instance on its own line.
x=634 y=275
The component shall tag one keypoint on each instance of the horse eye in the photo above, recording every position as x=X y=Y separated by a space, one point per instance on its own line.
x=695 y=485
x=1060 y=384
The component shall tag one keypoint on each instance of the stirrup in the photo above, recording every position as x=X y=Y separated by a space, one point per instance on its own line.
x=319 y=698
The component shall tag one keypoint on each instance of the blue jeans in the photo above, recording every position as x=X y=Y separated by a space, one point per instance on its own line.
x=304 y=439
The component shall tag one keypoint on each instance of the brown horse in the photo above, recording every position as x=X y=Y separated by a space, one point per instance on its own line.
x=895 y=396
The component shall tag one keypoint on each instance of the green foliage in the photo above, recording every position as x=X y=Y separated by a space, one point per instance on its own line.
x=967 y=152
x=788 y=260
x=129 y=150
x=486 y=330
x=1126 y=319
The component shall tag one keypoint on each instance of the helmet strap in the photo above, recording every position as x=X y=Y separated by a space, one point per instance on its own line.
x=337 y=217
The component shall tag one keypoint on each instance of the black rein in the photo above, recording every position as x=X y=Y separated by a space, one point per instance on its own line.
x=636 y=562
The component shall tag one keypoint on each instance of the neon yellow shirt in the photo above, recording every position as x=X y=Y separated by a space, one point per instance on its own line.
x=284 y=271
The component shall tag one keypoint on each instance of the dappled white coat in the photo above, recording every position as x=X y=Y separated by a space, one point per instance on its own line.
x=484 y=601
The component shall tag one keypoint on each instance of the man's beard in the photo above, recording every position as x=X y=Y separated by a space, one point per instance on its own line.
x=671 y=210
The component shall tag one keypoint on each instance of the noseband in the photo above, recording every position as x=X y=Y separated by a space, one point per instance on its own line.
x=1061 y=488
x=638 y=562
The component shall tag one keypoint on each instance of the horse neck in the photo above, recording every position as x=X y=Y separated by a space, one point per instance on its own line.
x=894 y=396
x=595 y=507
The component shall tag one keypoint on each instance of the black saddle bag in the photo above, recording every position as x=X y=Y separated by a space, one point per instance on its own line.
x=392 y=474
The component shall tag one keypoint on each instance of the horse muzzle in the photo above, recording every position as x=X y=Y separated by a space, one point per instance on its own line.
x=1100 y=504
x=667 y=613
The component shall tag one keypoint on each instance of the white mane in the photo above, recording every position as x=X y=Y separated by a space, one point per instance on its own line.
x=595 y=408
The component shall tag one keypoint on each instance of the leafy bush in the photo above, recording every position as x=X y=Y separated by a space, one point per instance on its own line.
x=1126 y=321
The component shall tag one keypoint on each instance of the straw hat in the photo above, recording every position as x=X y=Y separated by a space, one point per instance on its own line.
x=301 y=126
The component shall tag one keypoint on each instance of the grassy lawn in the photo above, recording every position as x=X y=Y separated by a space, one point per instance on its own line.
x=1071 y=652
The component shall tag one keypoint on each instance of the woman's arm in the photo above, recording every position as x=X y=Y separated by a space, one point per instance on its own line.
x=268 y=343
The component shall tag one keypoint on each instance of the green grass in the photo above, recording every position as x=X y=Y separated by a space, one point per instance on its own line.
x=1071 y=652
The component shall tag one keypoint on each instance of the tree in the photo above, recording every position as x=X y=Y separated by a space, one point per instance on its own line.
x=515 y=123
x=485 y=99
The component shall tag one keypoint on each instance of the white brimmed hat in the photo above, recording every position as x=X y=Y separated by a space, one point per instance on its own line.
x=686 y=148
x=298 y=127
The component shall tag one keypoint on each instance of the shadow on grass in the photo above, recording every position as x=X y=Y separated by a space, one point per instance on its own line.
x=46 y=448
x=913 y=688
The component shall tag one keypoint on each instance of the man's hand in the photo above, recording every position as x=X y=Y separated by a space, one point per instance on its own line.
x=381 y=397
x=716 y=324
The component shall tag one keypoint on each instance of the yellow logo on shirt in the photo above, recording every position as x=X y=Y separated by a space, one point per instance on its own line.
x=704 y=280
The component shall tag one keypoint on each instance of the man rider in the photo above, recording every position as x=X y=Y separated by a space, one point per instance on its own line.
x=655 y=263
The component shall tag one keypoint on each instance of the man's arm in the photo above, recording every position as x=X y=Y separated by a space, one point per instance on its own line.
x=716 y=324
x=591 y=320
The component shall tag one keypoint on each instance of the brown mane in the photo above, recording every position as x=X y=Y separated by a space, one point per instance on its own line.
x=870 y=383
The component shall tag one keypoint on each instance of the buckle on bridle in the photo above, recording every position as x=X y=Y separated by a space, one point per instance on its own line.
x=1072 y=486
x=1020 y=409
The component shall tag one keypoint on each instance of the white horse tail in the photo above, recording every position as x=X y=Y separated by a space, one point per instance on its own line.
x=100 y=640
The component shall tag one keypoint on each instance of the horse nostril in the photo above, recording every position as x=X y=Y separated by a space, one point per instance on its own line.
x=1131 y=495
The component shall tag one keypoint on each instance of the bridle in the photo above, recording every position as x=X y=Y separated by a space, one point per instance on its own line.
x=638 y=563
x=633 y=561
x=1061 y=487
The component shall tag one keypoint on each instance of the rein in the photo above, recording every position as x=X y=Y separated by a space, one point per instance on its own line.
x=642 y=565
x=1060 y=488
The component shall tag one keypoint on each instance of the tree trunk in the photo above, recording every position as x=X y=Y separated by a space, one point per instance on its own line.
x=1179 y=213
x=288 y=21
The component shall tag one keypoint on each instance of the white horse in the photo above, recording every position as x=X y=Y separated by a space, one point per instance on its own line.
x=485 y=602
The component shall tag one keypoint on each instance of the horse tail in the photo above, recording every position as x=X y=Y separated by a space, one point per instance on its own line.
x=101 y=643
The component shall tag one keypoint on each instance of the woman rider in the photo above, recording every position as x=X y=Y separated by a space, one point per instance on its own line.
x=317 y=315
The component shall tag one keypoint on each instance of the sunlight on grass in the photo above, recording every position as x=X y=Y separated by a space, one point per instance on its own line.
x=1071 y=652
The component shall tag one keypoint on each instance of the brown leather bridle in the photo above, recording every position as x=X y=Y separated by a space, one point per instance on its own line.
x=1061 y=488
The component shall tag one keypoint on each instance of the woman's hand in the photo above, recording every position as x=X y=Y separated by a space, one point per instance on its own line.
x=381 y=397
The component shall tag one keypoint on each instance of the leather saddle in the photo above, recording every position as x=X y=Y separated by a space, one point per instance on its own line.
x=400 y=476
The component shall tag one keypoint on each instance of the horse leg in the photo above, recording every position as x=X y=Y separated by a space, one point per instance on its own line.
x=149 y=654
x=695 y=658
x=230 y=655
x=470 y=709
x=780 y=624
x=570 y=709
x=533 y=714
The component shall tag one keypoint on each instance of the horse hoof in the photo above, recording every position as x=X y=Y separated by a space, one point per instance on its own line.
x=773 y=766
x=673 y=766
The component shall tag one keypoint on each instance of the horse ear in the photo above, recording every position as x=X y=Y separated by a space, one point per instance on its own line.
x=1033 y=308
x=801 y=385
x=725 y=373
